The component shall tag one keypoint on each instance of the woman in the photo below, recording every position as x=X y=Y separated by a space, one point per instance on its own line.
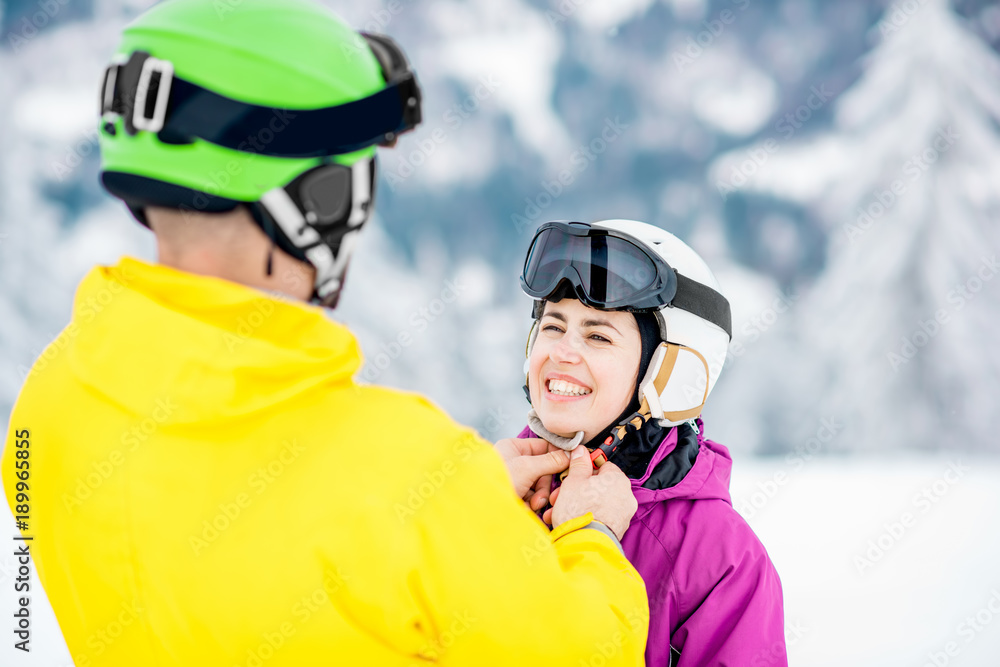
x=629 y=338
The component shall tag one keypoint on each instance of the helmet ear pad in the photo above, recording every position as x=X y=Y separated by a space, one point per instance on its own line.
x=320 y=214
x=675 y=386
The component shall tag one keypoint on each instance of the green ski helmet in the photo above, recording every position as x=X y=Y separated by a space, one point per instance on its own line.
x=276 y=105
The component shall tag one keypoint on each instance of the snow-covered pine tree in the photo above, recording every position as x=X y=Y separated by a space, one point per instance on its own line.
x=895 y=339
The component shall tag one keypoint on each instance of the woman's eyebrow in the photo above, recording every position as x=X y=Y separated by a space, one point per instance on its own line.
x=601 y=323
x=586 y=323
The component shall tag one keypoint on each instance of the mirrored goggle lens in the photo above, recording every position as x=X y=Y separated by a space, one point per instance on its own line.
x=609 y=269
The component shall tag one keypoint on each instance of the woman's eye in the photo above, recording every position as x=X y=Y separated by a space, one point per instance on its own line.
x=599 y=338
x=551 y=327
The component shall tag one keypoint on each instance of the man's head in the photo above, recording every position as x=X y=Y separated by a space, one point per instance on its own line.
x=269 y=110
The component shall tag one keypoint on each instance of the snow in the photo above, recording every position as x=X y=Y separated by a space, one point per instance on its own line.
x=505 y=42
x=739 y=105
x=924 y=578
x=796 y=172
x=717 y=84
x=55 y=113
x=689 y=10
x=817 y=515
x=603 y=16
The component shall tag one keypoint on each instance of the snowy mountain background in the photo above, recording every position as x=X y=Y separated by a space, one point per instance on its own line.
x=835 y=163
x=893 y=336
x=830 y=98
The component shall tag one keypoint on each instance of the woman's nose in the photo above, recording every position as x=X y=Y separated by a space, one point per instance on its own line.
x=566 y=350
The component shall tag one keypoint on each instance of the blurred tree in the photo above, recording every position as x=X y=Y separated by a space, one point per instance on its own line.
x=895 y=338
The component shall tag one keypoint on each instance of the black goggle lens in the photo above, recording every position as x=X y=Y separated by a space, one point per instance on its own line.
x=609 y=269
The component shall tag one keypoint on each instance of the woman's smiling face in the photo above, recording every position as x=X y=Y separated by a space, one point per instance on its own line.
x=583 y=367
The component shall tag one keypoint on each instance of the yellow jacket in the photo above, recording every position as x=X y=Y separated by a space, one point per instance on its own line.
x=209 y=486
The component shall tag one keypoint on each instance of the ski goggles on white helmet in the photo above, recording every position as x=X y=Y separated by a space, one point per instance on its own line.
x=610 y=270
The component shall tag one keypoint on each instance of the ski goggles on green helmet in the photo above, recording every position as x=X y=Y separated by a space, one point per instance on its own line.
x=146 y=93
x=610 y=270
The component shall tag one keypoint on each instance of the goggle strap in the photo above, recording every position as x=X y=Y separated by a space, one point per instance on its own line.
x=703 y=301
x=195 y=112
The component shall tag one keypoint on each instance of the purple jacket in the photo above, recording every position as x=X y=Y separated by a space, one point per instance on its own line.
x=714 y=595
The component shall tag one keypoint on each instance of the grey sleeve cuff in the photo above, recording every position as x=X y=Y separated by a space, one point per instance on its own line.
x=597 y=525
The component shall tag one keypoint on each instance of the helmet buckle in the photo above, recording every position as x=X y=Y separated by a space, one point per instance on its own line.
x=163 y=70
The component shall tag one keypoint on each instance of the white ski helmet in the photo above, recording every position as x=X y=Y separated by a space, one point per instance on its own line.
x=635 y=266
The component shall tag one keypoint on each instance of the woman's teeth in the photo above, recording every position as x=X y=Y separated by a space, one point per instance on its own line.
x=563 y=388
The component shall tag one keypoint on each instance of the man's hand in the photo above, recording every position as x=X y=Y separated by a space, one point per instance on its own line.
x=531 y=463
x=607 y=494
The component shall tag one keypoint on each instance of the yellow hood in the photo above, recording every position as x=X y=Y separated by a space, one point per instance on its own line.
x=237 y=349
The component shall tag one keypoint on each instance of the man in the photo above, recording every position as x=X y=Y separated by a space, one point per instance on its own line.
x=203 y=481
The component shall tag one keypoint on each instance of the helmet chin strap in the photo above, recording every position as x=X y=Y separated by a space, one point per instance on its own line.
x=562 y=442
x=534 y=421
